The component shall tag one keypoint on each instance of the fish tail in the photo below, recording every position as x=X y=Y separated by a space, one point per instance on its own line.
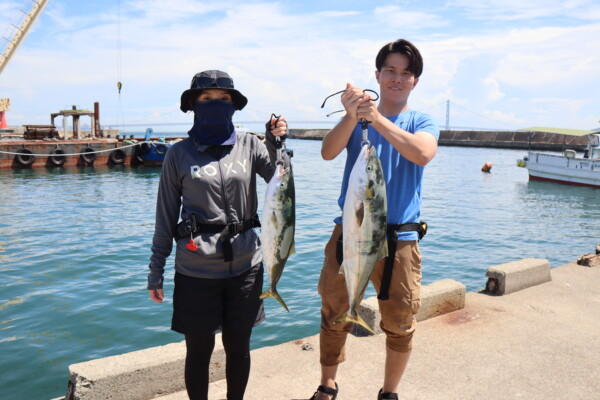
x=273 y=293
x=358 y=320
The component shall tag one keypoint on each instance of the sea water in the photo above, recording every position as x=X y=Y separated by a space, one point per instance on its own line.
x=75 y=245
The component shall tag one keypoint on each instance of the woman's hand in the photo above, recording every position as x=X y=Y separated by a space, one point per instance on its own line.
x=157 y=295
x=278 y=126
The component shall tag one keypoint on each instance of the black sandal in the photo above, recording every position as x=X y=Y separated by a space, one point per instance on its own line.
x=327 y=390
x=387 y=396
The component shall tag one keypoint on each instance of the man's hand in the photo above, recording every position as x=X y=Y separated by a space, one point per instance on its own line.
x=353 y=98
x=368 y=111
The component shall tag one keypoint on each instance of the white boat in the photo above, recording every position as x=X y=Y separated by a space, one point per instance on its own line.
x=568 y=167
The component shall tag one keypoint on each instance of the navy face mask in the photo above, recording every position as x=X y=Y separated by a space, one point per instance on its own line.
x=212 y=123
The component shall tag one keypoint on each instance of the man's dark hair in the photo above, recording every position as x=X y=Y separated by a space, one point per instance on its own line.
x=406 y=48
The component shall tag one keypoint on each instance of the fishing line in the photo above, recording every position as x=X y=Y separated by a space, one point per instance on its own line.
x=120 y=115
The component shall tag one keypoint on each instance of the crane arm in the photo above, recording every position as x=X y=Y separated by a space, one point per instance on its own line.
x=20 y=32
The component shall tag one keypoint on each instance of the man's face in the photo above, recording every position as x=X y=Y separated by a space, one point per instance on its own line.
x=395 y=80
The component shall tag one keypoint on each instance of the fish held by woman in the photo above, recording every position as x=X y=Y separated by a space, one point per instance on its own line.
x=277 y=227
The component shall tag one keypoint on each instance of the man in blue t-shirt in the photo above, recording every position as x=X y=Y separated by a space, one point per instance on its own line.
x=405 y=141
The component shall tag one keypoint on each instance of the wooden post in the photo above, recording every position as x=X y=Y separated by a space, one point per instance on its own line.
x=96 y=121
x=65 y=125
x=76 y=126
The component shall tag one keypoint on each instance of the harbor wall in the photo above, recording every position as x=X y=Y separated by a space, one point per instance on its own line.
x=491 y=139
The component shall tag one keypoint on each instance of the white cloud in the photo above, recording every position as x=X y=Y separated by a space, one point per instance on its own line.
x=517 y=10
x=505 y=118
x=493 y=89
x=287 y=61
x=400 y=19
x=337 y=14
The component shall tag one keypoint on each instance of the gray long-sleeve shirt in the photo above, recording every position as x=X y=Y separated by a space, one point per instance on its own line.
x=218 y=184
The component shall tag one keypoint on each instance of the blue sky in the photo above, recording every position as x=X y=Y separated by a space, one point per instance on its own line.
x=501 y=63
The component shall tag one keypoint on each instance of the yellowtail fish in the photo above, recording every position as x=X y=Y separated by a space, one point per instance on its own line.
x=277 y=227
x=364 y=228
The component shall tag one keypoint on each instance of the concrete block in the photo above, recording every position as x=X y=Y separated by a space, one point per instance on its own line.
x=142 y=374
x=517 y=275
x=441 y=297
x=437 y=298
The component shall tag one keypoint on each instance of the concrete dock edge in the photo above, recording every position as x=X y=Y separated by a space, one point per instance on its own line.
x=156 y=371
x=138 y=375
x=517 y=275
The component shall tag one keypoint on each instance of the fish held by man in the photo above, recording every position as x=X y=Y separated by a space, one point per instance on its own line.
x=364 y=228
x=277 y=227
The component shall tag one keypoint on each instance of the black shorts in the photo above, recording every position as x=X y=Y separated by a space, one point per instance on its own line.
x=206 y=306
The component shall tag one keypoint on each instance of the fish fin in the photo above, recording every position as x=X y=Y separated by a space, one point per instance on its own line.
x=358 y=320
x=273 y=293
x=360 y=214
x=293 y=249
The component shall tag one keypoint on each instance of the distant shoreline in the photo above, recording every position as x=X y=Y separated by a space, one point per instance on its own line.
x=489 y=139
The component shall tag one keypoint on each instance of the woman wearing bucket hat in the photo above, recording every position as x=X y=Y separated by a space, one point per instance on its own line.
x=209 y=181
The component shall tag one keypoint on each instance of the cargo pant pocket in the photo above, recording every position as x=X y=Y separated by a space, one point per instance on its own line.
x=415 y=301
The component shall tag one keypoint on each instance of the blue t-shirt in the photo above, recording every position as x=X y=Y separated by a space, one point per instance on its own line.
x=403 y=178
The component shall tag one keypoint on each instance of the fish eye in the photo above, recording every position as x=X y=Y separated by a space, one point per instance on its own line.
x=369 y=168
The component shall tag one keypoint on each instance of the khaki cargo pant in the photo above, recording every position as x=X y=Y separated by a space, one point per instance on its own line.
x=397 y=313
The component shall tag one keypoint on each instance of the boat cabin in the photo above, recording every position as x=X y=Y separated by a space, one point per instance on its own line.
x=593 y=148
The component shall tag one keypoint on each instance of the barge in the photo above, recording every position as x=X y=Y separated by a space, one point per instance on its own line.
x=43 y=146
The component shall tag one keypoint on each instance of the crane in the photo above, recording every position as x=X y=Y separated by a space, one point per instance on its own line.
x=14 y=41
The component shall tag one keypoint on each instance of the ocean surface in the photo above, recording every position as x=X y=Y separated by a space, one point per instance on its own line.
x=75 y=244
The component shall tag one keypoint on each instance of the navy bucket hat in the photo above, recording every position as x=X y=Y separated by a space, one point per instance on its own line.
x=211 y=79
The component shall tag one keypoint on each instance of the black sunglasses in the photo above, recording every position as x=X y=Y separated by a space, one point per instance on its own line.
x=209 y=81
x=342 y=91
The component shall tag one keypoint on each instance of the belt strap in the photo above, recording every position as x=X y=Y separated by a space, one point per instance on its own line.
x=389 y=261
x=191 y=227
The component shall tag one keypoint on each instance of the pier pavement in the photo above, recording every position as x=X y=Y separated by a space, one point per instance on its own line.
x=542 y=342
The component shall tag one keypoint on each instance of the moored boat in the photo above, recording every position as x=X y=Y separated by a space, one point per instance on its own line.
x=40 y=146
x=152 y=152
x=569 y=167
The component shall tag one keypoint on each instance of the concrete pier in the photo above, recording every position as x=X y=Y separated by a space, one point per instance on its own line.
x=493 y=139
x=540 y=342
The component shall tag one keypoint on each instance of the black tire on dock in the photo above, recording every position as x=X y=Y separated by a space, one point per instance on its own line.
x=25 y=157
x=117 y=157
x=161 y=149
x=88 y=155
x=57 y=159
